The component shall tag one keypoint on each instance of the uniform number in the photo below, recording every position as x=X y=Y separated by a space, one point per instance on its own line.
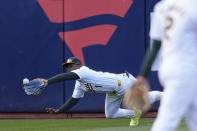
x=170 y=22
x=89 y=87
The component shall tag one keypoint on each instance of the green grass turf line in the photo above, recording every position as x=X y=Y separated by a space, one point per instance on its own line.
x=78 y=125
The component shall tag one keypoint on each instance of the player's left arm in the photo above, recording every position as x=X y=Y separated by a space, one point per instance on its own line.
x=137 y=95
x=149 y=59
x=62 y=77
x=36 y=86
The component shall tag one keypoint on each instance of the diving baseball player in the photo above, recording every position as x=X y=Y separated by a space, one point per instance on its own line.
x=174 y=28
x=88 y=80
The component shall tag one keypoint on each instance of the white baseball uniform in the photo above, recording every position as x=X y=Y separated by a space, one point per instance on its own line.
x=175 y=24
x=113 y=85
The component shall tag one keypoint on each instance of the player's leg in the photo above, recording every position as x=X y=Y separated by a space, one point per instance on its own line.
x=191 y=115
x=174 y=104
x=113 y=110
x=155 y=96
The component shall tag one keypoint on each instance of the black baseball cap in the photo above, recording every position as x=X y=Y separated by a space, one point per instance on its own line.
x=72 y=60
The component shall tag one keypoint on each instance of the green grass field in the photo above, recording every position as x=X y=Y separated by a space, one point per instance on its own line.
x=78 y=125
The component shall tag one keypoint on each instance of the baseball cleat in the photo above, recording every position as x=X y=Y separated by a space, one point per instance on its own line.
x=135 y=120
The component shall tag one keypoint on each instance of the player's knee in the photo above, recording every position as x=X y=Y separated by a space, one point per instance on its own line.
x=155 y=96
x=109 y=115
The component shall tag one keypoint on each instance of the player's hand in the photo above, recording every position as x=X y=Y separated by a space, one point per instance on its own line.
x=51 y=110
x=34 y=87
x=136 y=96
x=45 y=81
x=142 y=81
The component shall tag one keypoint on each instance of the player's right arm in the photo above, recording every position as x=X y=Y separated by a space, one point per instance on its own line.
x=68 y=104
x=65 y=107
x=78 y=93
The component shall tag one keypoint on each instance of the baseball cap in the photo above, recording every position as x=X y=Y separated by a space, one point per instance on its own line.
x=72 y=60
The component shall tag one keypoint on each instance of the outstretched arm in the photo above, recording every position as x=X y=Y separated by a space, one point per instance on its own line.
x=68 y=105
x=61 y=77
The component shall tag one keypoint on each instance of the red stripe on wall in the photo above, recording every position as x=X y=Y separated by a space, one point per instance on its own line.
x=96 y=35
x=80 y=9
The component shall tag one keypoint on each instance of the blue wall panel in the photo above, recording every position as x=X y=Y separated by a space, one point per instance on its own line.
x=31 y=47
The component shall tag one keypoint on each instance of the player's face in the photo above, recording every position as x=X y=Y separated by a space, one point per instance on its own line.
x=72 y=67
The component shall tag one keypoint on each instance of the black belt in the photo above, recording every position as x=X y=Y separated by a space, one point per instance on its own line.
x=127 y=73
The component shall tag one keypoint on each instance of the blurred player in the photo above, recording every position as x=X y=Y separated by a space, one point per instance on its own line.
x=88 y=80
x=175 y=26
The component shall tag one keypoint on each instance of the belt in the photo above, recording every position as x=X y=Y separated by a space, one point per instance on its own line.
x=127 y=73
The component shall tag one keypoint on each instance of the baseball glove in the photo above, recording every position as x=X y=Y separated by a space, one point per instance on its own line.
x=136 y=97
x=34 y=87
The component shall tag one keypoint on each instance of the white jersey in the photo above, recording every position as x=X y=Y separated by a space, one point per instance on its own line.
x=97 y=82
x=175 y=24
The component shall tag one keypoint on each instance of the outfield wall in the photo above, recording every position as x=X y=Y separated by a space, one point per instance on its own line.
x=36 y=36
